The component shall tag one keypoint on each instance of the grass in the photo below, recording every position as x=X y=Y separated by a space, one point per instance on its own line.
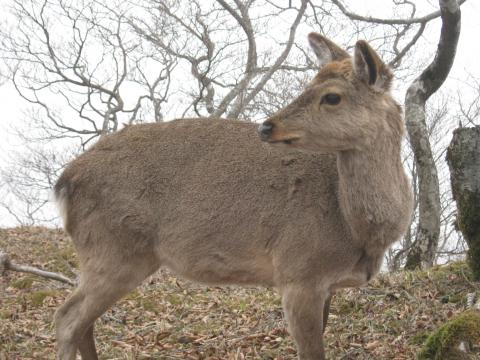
x=443 y=343
x=169 y=318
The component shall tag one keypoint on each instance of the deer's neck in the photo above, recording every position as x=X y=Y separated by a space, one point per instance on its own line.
x=374 y=195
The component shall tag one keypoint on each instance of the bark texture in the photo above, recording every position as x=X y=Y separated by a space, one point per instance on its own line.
x=463 y=158
x=422 y=251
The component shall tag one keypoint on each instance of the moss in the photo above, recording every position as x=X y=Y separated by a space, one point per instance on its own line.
x=441 y=273
x=25 y=282
x=419 y=338
x=446 y=272
x=474 y=258
x=456 y=267
x=468 y=204
x=443 y=343
x=37 y=297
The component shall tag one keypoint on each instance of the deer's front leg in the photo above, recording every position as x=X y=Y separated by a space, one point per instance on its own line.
x=303 y=305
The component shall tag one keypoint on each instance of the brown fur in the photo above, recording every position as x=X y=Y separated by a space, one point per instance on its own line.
x=210 y=201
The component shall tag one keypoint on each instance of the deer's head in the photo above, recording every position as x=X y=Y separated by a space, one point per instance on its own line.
x=347 y=105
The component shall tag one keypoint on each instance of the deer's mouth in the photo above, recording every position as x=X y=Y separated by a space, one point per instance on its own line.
x=288 y=141
x=284 y=137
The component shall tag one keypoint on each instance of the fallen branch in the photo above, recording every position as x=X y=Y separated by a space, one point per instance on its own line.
x=7 y=264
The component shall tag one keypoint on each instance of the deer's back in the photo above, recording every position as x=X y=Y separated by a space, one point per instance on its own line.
x=211 y=185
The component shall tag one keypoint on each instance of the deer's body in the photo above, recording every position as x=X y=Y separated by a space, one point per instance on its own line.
x=210 y=201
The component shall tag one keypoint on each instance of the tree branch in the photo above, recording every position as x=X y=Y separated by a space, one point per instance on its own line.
x=267 y=76
x=398 y=57
x=436 y=73
x=375 y=20
x=6 y=264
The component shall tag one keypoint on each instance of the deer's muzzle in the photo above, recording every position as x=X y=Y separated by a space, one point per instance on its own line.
x=274 y=132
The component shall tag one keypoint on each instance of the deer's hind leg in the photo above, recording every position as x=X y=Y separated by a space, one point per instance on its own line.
x=104 y=280
x=303 y=305
x=326 y=310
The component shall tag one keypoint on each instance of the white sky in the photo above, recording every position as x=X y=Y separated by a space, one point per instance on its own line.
x=466 y=62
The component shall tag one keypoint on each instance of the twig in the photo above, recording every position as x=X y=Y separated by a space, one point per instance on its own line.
x=7 y=264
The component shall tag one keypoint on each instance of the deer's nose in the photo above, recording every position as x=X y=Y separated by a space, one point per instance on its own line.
x=265 y=130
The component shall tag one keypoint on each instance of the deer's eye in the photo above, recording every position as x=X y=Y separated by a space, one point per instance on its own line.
x=331 y=99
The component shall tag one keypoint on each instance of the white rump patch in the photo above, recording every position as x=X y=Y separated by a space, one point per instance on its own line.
x=61 y=202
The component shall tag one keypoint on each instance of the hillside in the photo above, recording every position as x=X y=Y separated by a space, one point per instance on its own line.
x=169 y=318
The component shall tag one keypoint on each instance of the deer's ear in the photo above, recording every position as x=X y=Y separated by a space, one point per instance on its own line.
x=325 y=49
x=370 y=69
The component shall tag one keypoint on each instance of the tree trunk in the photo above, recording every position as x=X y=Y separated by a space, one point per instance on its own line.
x=422 y=252
x=463 y=159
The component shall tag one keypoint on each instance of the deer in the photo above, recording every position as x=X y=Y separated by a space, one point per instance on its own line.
x=307 y=203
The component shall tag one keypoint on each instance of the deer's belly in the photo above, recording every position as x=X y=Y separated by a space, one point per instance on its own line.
x=221 y=269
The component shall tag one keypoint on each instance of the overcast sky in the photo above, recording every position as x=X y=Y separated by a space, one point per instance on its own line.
x=466 y=62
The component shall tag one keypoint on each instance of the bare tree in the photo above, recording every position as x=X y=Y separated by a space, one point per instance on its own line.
x=469 y=106
x=27 y=179
x=84 y=76
x=422 y=251
x=225 y=63
x=83 y=55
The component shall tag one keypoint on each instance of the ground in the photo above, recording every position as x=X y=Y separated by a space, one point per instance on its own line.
x=170 y=318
